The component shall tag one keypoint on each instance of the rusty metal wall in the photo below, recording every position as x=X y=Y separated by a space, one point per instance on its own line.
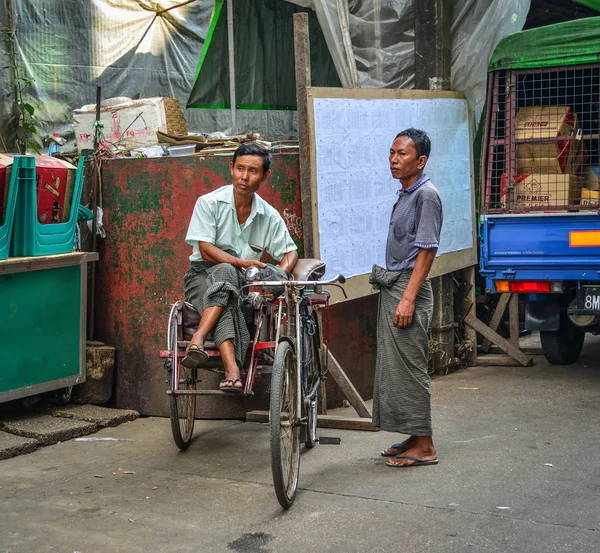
x=147 y=206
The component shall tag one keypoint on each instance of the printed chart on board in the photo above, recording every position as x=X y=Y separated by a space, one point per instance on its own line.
x=356 y=191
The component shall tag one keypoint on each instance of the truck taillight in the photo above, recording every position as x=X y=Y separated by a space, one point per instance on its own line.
x=531 y=287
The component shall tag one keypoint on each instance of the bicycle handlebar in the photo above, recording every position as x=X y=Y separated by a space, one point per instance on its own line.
x=335 y=280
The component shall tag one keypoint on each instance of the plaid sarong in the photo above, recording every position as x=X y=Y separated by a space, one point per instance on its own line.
x=210 y=285
x=401 y=391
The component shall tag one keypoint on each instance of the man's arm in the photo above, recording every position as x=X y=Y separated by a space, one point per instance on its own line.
x=406 y=307
x=211 y=253
x=288 y=261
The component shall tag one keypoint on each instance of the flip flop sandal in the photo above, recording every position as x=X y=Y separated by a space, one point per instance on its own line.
x=232 y=388
x=399 y=447
x=195 y=356
x=416 y=462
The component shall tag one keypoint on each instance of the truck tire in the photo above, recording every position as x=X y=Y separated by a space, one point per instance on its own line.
x=562 y=347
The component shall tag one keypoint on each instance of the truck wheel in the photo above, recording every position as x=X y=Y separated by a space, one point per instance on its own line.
x=562 y=347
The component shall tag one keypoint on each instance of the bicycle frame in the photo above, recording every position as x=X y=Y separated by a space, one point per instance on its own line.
x=295 y=299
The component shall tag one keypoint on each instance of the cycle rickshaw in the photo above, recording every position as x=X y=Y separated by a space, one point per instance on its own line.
x=288 y=343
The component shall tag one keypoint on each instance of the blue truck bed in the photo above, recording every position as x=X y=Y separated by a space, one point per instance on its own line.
x=543 y=246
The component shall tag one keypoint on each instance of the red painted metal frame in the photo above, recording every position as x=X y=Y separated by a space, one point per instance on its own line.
x=510 y=141
x=147 y=206
x=268 y=312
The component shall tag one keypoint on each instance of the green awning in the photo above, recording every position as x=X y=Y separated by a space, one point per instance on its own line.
x=594 y=4
x=264 y=57
x=571 y=43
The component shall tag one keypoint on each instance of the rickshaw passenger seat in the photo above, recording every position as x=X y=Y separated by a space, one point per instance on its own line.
x=190 y=319
x=309 y=269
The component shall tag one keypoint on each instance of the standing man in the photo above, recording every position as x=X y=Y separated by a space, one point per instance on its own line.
x=224 y=225
x=401 y=395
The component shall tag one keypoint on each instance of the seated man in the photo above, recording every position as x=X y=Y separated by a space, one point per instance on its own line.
x=224 y=224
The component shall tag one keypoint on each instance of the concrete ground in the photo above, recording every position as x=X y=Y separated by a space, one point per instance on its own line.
x=519 y=471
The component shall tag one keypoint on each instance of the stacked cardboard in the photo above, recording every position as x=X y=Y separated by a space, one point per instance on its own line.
x=590 y=193
x=548 y=164
x=129 y=123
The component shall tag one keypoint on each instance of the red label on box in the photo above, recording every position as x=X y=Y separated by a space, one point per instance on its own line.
x=54 y=187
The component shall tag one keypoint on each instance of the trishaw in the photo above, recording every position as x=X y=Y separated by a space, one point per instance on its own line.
x=288 y=344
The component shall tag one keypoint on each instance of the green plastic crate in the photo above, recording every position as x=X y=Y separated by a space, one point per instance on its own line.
x=30 y=238
x=6 y=226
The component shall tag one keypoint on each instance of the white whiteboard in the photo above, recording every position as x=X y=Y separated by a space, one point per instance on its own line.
x=354 y=187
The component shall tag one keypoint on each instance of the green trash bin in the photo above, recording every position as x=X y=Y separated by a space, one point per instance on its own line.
x=7 y=222
x=30 y=237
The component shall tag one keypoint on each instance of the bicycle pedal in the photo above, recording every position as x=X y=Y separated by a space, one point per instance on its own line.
x=329 y=440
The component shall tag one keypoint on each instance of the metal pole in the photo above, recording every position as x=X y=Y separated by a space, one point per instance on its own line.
x=231 y=66
x=95 y=192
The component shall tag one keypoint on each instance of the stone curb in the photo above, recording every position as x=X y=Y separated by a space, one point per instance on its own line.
x=46 y=429
x=11 y=445
x=102 y=416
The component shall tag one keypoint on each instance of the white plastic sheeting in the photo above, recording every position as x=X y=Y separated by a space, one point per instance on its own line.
x=472 y=50
x=128 y=47
x=382 y=39
x=152 y=47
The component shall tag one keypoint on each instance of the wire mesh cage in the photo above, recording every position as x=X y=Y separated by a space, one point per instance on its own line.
x=541 y=141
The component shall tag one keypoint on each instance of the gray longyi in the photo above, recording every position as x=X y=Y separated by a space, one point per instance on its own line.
x=401 y=390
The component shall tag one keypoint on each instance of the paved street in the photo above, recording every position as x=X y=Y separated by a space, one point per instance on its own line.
x=519 y=471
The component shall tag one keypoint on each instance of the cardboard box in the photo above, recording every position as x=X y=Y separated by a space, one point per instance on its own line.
x=131 y=124
x=590 y=177
x=54 y=186
x=559 y=165
x=552 y=123
x=590 y=198
x=540 y=190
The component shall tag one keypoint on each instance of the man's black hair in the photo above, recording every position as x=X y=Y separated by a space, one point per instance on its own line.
x=253 y=149
x=420 y=140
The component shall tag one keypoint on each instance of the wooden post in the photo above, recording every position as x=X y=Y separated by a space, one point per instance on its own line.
x=504 y=345
x=496 y=318
x=432 y=45
x=465 y=305
x=432 y=72
x=513 y=317
x=348 y=389
x=303 y=80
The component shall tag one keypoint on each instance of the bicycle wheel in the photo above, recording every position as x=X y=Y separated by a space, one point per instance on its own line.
x=285 y=431
x=183 y=407
x=312 y=347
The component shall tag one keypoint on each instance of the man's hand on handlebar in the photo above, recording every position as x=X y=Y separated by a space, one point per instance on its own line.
x=244 y=264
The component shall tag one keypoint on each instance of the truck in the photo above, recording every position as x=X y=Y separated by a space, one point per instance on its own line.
x=539 y=219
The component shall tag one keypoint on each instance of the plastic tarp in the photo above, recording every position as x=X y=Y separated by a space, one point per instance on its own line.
x=382 y=42
x=474 y=40
x=594 y=4
x=128 y=47
x=371 y=43
x=264 y=57
x=152 y=47
x=571 y=43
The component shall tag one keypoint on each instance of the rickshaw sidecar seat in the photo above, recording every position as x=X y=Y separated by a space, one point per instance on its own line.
x=309 y=269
